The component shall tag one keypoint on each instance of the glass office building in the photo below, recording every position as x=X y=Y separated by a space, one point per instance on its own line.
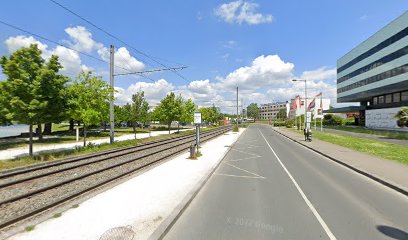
x=375 y=73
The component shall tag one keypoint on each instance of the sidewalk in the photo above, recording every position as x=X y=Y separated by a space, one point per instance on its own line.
x=402 y=142
x=387 y=172
x=13 y=153
x=139 y=206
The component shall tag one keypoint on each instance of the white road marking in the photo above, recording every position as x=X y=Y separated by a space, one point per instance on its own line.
x=309 y=204
x=241 y=159
x=230 y=175
x=250 y=145
x=234 y=149
x=232 y=165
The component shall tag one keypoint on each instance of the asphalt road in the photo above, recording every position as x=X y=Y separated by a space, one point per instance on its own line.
x=268 y=187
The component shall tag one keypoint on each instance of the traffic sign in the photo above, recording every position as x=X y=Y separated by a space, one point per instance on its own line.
x=197 y=118
x=308 y=117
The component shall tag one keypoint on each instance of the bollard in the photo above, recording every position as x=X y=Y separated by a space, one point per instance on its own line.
x=192 y=151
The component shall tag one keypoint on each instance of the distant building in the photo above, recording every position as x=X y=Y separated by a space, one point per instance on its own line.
x=300 y=108
x=269 y=111
x=375 y=74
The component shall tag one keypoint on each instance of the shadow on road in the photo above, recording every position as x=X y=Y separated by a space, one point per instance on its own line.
x=392 y=232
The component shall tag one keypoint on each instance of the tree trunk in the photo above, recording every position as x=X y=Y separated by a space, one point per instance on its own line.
x=30 y=146
x=71 y=124
x=169 y=127
x=39 y=132
x=84 y=135
x=134 y=130
x=47 y=129
x=79 y=123
x=178 y=127
x=104 y=126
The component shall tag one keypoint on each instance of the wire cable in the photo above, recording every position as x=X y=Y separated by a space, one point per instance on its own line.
x=62 y=45
x=115 y=37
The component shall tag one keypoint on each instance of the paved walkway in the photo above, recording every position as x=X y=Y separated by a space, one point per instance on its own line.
x=17 y=152
x=387 y=170
x=138 y=206
x=402 y=142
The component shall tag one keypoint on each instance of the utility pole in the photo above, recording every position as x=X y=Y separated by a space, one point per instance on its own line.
x=112 y=101
x=111 y=76
x=237 y=106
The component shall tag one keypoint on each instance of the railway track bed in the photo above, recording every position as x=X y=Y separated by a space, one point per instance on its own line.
x=30 y=192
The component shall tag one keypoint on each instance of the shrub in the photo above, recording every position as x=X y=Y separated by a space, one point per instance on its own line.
x=333 y=120
x=235 y=129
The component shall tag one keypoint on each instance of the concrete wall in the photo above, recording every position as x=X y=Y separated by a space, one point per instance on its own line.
x=382 y=118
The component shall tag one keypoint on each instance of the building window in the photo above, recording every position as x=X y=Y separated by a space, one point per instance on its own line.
x=396 y=97
x=375 y=100
x=380 y=99
x=404 y=96
x=388 y=98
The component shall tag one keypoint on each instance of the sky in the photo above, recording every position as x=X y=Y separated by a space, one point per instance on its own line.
x=259 y=46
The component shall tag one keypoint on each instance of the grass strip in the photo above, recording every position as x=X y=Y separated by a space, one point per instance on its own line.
x=91 y=148
x=380 y=149
x=383 y=133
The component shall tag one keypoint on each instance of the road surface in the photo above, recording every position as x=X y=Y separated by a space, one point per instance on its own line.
x=268 y=187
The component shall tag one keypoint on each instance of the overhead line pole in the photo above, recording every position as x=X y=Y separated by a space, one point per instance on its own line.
x=237 y=106
x=112 y=102
x=111 y=77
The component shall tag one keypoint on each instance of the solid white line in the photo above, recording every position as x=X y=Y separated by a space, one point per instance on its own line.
x=314 y=211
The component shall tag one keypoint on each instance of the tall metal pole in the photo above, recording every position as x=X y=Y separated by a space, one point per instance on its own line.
x=237 y=106
x=321 y=117
x=305 y=104
x=111 y=107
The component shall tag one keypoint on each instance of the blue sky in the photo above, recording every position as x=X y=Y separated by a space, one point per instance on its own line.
x=257 y=45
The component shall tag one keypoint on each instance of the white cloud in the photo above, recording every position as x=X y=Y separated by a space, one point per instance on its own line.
x=322 y=73
x=241 y=12
x=154 y=91
x=69 y=59
x=123 y=60
x=14 y=43
x=81 y=39
x=267 y=70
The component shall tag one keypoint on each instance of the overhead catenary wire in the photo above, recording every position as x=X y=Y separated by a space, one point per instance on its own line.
x=65 y=46
x=115 y=37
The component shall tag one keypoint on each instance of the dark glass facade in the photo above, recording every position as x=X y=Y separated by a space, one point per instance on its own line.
x=397 y=54
x=401 y=34
x=384 y=75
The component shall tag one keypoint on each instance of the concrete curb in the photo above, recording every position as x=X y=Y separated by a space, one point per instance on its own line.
x=386 y=183
x=166 y=225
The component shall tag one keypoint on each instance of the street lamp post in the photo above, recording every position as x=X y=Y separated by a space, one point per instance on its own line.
x=303 y=80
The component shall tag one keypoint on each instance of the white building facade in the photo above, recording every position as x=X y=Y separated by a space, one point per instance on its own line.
x=269 y=111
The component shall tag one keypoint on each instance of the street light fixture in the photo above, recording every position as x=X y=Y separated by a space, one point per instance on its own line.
x=303 y=80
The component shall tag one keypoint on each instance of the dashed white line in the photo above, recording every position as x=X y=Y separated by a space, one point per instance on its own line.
x=309 y=204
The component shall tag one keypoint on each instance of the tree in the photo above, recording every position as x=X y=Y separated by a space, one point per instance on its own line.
x=402 y=117
x=52 y=92
x=253 y=111
x=210 y=114
x=88 y=97
x=26 y=70
x=138 y=110
x=169 y=109
x=281 y=114
x=4 y=111
x=187 y=112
